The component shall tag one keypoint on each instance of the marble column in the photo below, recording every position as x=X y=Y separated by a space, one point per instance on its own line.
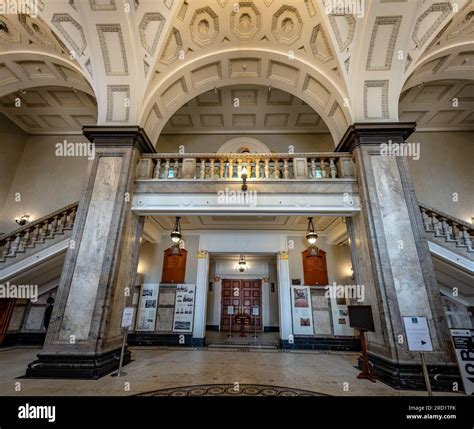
x=200 y=308
x=84 y=337
x=284 y=298
x=392 y=260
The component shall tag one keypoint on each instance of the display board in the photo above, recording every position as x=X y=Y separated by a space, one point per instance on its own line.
x=184 y=308
x=418 y=334
x=147 y=308
x=464 y=348
x=315 y=268
x=174 y=265
x=360 y=317
x=301 y=310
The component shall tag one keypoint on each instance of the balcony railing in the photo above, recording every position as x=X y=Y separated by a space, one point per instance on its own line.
x=259 y=166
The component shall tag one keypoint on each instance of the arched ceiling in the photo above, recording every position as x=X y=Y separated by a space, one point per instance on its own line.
x=50 y=109
x=146 y=58
x=241 y=109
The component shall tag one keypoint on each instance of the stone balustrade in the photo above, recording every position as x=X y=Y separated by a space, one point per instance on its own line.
x=447 y=228
x=37 y=232
x=259 y=166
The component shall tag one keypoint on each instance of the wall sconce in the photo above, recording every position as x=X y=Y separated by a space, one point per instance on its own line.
x=176 y=235
x=242 y=264
x=244 y=175
x=22 y=221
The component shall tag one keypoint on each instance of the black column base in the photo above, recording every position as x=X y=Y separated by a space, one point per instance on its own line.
x=410 y=376
x=76 y=366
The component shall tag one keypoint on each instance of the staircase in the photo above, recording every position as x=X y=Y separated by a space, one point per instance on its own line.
x=448 y=232
x=36 y=241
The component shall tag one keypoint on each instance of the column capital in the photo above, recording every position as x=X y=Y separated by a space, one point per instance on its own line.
x=374 y=133
x=119 y=136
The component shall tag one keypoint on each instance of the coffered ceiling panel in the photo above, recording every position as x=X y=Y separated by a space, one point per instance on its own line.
x=246 y=109
x=440 y=104
x=50 y=110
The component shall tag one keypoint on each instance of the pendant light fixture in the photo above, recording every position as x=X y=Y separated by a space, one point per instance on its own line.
x=242 y=264
x=311 y=235
x=176 y=235
x=243 y=176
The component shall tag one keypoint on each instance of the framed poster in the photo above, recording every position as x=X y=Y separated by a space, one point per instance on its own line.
x=147 y=308
x=184 y=308
x=301 y=310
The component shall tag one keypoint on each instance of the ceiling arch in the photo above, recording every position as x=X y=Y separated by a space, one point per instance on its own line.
x=246 y=66
x=245 y=109
x=107 y=38
x=391 y=36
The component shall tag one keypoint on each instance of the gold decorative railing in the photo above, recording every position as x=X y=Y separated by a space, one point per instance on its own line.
x=37 y=232
x=259 y=166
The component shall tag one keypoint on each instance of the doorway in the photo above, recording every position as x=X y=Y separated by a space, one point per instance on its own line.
x=241 y=297
x=6 y=310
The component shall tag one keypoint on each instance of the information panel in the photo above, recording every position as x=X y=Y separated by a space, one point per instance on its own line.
x=184 y=308
x=301 y=310
x=418 y=334
x=147 y=308
x=464 y=347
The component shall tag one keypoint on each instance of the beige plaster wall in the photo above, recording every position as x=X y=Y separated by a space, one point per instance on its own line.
x=45 y=181
x=445 y=167
x=12 y=144
x=275 y=142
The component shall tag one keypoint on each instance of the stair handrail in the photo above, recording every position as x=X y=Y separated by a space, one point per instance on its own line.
x=34 y=223
x=440 y=213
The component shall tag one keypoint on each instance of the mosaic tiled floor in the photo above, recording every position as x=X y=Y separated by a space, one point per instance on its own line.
x=231 y=390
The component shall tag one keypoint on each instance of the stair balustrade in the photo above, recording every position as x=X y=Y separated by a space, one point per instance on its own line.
x=37 y=232
x=455 y=233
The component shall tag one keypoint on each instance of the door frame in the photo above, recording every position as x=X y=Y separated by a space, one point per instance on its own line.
x=240 y=279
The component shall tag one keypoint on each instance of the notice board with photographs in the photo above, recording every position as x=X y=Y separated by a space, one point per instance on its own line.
x=301 y=310
x=147 y=308
x=184 y=308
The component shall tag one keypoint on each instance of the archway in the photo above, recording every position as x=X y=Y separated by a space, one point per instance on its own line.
x=249 y=66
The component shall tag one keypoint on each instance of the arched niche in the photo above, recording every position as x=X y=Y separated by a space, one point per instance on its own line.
x=238 y=145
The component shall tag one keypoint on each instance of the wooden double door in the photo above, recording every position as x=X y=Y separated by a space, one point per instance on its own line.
x=243 y=295
x=6 y=310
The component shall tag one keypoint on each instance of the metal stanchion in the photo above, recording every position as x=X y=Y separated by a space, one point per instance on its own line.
x=119 y=373
x=425 y=374
x=255 y=326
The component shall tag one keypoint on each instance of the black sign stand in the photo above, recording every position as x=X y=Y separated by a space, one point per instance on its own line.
x=366 y=372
